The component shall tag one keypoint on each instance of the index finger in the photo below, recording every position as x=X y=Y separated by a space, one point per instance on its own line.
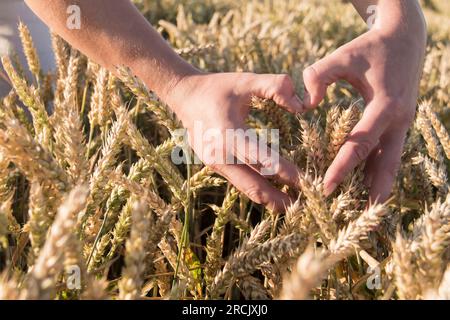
x=254 y=186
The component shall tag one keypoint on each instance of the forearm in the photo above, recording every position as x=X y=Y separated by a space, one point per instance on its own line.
x=114 y=33
x=400 y=16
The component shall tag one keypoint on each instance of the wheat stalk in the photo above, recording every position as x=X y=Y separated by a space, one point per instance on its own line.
x=214 y=244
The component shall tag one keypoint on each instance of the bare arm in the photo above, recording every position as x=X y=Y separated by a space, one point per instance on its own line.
x=114 y=33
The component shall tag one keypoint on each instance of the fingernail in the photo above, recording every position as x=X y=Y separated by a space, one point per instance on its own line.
x=329 y=188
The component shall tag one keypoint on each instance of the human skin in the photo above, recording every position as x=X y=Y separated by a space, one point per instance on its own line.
x=383 y=64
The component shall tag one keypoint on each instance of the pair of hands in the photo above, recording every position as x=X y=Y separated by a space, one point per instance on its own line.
x=384 y=68
x=384 y=65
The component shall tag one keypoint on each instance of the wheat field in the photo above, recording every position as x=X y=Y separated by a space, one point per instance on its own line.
x=91 y=206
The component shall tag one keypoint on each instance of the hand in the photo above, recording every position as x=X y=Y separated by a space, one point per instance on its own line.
x=385 y=67
x=209 y=104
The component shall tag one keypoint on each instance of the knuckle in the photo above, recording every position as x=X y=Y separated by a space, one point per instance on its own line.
x=309 y=73
x=346 y=60
x=285 y=80
x=346 y=57
x=283 y=85
x=256 y=194
x=214 y=167
x=270 y=165
x=361 y=149
x=245 y=78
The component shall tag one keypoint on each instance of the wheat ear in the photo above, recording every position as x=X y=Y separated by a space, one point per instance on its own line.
x=131 y=282
x=439 y=128
x=31 y=98
x=41 y=278
x=30 y=51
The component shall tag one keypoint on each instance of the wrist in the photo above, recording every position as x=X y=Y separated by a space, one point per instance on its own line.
x=179 y=88
x=163 y=78
x=403 y=20
x=174 y=86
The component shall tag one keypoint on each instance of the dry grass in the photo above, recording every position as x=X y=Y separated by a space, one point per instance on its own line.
x=86 y=179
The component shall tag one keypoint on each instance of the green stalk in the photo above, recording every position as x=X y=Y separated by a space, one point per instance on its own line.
x=185 y=232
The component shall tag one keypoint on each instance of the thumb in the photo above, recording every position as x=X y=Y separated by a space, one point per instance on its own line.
x=320 y=75
x=279 y=88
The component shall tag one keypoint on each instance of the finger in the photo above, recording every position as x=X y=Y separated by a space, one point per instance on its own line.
x=368 y=168
x=358 y=145
x=254 y=186
x=252 y=149
x=320 y=75
x=279 y=88
x=384 y=165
